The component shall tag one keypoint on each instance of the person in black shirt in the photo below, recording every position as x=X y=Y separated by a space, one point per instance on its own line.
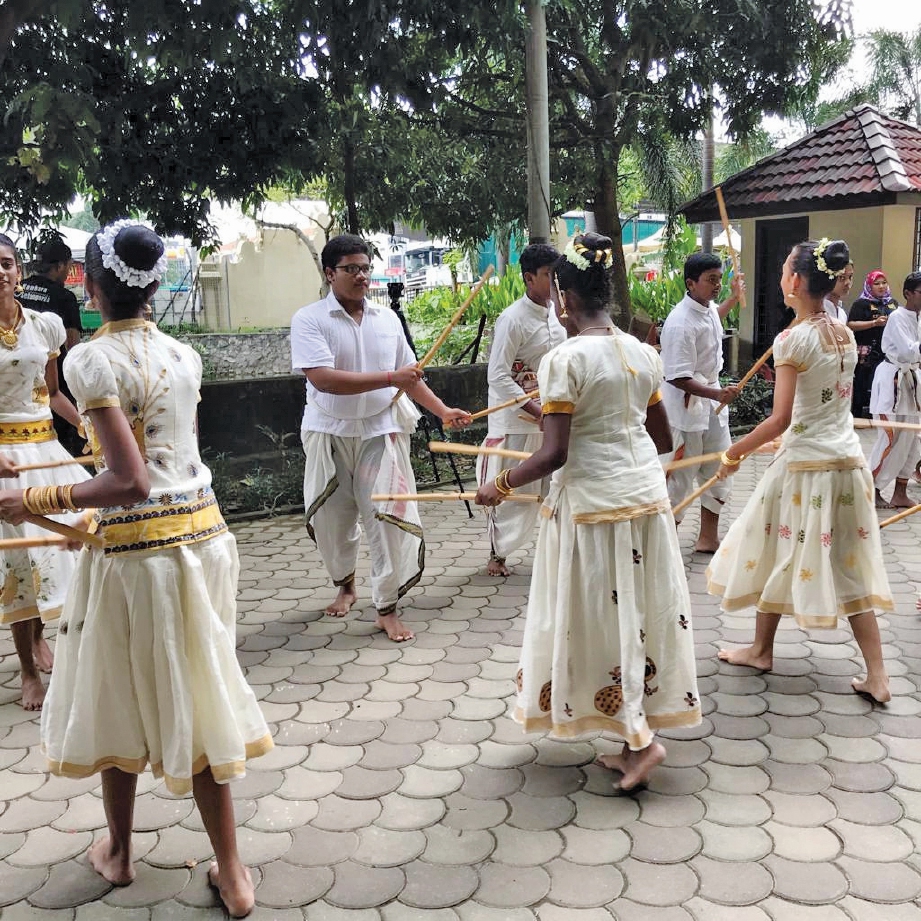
x=866 y=319
x=44 y=291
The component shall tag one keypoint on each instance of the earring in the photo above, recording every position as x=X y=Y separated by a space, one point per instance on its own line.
x=19 y=288
x=563 y=314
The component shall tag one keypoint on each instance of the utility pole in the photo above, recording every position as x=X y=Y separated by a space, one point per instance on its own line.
x=538 y=122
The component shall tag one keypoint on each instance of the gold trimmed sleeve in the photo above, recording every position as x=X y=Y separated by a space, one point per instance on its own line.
x=557 y=406
x=102 y=403
x=655 y=398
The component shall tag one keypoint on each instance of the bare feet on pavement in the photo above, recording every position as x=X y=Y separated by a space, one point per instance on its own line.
x=497 y=567
x=394 y=628
x=342 y=604
x=878 y=689
x=43 y=656
x=236 y=892
x=115 y=867
x=613 y=762
x=639 y=765
x=33 y=692
x=747 y=656
x=705 y=545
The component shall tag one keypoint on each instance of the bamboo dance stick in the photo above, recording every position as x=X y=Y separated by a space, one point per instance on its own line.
x=440 y=341
x=532 y=395
x=47 y=465
x=886 y=424
x=25 y=543
x=684 y=503
x=752 y=371
x=736 y=268
x=450 y=447
x=903 y=514
x=447 y=496
x=94 y=540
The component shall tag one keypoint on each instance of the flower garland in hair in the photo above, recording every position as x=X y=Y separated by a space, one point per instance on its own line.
x=575 y=253
x=134 y=278
x=820 y=262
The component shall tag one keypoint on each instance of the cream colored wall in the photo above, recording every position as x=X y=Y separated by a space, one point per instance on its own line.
x=266 y=286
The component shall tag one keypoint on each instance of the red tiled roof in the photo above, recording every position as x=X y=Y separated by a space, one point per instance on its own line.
x=860 y=159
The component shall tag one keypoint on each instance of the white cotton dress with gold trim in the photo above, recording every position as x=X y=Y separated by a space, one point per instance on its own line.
x=33 y=582
x=146 y=670
x=807 y=543
x=608 y=642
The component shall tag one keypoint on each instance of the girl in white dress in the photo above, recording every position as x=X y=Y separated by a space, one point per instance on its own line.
x=146 y=671
x=807 y=543
x=608 y=643
x=33 y=581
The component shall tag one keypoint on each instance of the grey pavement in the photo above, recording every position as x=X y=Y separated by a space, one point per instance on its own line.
x=400 y=789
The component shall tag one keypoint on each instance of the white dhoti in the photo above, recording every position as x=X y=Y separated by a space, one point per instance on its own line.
x=682 y=482
x=895 y=397
x=510 y=525
x=340 y=476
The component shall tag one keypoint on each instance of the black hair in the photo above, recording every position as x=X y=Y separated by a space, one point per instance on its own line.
x=139 y=248
x=912 y=282
x=6 y=241
x=536 y=256
x=591 y=284
x=51 y=252
x=346 y=244
x=836 y=256
x=698 y=263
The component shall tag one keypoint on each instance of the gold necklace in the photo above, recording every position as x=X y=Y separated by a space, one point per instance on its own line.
x=587 y=328
x=9 y=338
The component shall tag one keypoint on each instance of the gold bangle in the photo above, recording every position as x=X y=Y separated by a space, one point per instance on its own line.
x=67 y=501
x=728 y=461
x=502 y=484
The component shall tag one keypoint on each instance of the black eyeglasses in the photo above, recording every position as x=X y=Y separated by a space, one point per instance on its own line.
x=355 y=269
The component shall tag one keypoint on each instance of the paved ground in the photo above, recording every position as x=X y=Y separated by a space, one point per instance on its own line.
x=400 y=790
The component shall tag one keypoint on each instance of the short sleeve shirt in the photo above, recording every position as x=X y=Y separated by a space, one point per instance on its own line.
x=42 y=294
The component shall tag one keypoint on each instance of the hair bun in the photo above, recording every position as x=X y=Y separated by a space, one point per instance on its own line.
x=138 y=247
x=837 y=255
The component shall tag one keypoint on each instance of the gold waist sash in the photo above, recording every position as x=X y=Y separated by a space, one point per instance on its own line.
x=155 y=526
x=20 y=433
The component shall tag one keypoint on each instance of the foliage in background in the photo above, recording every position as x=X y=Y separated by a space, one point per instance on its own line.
x=429 y=313
x=753 y=405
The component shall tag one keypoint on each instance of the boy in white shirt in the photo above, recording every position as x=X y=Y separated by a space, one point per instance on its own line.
x=692 y=357
x=525 y=331
x=355 y=358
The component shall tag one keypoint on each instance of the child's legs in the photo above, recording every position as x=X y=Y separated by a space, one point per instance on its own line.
x=118 y=789
x=866 y=633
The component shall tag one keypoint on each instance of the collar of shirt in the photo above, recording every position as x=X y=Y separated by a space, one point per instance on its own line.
x=533 y=305
x=696 y=305
x=333 y=305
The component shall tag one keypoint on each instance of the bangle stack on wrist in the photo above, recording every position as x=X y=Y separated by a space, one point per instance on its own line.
x=502 y=484
x=49 y=500
x=728 y=461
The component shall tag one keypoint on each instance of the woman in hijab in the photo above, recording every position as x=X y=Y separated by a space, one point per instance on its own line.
x=866 y=320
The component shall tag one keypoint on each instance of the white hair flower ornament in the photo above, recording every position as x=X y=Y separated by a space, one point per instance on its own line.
x=134 y=278
x=575 y=253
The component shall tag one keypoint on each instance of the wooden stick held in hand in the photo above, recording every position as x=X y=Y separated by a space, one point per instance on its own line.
x=532 y=395
x=447 y=497
x=752 y=371
x=26 y=543
x=450 y=447
x=903 y=514
x=49 y=524
x=886 y=424
x=440 y=341
x=684 y=503
x=736 y=268
x=47 y=465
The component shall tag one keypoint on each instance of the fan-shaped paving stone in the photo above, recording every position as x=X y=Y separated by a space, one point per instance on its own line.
x=400 y=813
x=254 y=784
x=519 y=848
x=677 y=781
x=806 y=845
x=451 y=846
x=543 y=780
x=798 y=778
x=462 y=732
x=361 y=783
x=780 y=910
x=504 y=886
x=607 y=812
x=868 y=911
x=702 y=910
x=273 y=813
x=860 y=778
x=795 y=751
x=654 y=844
x=564 y=754
x=731 y=779
x=731 y=809
x=578 y=886
x=177 y=845
x=470 y=708
x=740 y=753
x=658 y=884
x=867 y=808
x=722 y=842
x=17 y=883
x=10 y=842
x=803 y=811
x=316 y=847
x=340 y=814
x=731 y=883
x=738 y=727
x=876 y=843
x=432 y=887
x=408 y=731
x=360 y=886
x=286 y=886
x=670 y=811
x=423 y=783
x=466 y=814
x=441 y=756
x=811 y=883
x=301 y=784
x=46 y=846
x=901 y=749
x=591 y=847
x=539 y=813
x=627 y=910
x=152 y=884
x=383 y=756
x=489 y=783
x=897 y=883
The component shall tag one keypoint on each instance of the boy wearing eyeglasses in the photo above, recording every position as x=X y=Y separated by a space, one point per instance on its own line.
x=355 y=359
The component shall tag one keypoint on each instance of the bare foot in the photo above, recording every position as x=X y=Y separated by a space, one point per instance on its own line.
x=704 y=545
x=237 y=892
x=394 y=628
x=881 y=502
x=641 y=764
x=877 y=690
x=343 y=602
x=115 y=867
x=497 y=567
x=612 y=762
x=746 y=657
x=43 y=656
x=900 y=502
x=33 y=692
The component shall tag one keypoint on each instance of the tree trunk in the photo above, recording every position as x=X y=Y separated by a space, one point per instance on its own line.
x=538 y=110
x=607 y=220
x=708 y=152
x=348 y=186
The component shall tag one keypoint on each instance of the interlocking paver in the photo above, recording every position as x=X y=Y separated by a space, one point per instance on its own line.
x=658 y=884
x=506 y=886
x=810 y=883
x=898 y=883
x=360 y=886
x=654 y=845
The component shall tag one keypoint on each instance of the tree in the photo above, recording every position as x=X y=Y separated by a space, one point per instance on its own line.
x=895 y=80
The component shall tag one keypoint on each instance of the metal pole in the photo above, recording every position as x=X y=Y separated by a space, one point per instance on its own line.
x=538 y=122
